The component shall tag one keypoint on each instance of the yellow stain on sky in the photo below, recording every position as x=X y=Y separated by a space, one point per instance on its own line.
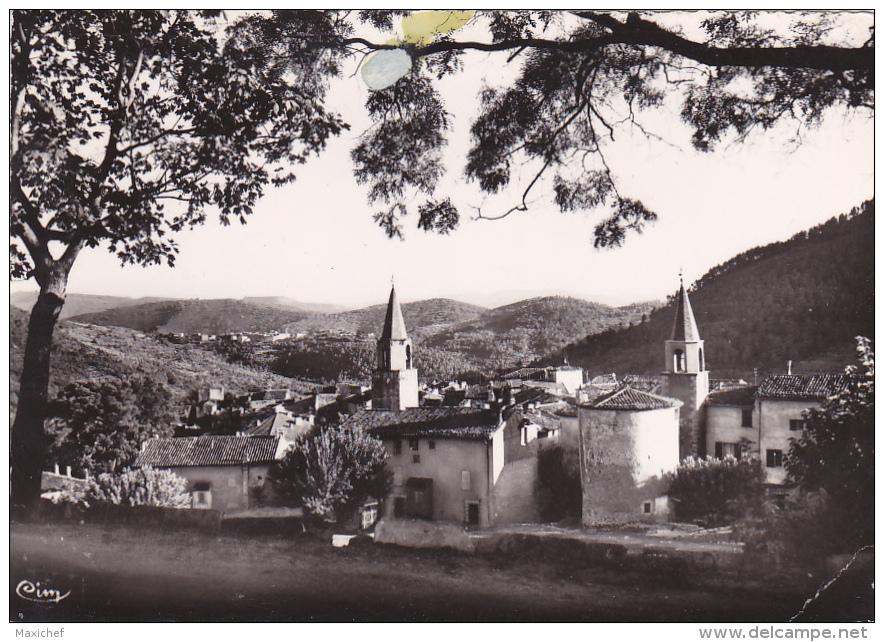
x=420 y=28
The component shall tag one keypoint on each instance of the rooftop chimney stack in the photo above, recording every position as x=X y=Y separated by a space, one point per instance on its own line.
x=789 y=367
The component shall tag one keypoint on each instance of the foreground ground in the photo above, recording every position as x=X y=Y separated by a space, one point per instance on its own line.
x=121 y=573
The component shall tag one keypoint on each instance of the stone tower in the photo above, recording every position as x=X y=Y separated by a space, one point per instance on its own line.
x=394 y=382
x=685 y=377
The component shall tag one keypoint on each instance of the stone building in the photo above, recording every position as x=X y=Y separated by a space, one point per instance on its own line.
x=222 y=472
x=686 y=378
x=627 y=439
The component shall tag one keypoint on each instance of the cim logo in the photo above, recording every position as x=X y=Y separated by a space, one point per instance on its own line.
x=39 y=592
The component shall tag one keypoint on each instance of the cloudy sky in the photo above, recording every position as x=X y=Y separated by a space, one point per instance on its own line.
x=315 y=240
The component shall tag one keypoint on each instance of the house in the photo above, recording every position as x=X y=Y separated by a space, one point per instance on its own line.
x=627 y=440
x=723 y=418
x=445 y=461
x=222 y=472
x=780 y=401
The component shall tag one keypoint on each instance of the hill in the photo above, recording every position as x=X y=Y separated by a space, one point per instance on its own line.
x=196 y=315
x=77 y=304
x=83 y=352
x=285 y=302
x=528 y=329
x=803 y=300
x=421 y=317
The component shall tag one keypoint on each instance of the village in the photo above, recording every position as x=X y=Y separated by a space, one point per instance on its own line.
x=467 y=455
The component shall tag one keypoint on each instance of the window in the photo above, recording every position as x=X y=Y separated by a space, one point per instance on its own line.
x=678 y=364
x=465 y=480
x=397 y=475
x=432 y=444
x=413 y=443
x=399 y=507
x=774 y=458
x=397 y=447
x=416 y=459
x=747 y=418
x=726 y=449
x=647 y=507
x=796 y=424
x=407 y=357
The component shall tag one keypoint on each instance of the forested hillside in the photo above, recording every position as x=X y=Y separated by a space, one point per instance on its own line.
x=83 y=352
x=802 y=300
x=525 y=330
x=197 y=315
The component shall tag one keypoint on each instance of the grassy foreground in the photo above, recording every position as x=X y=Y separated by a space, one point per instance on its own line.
x=121 y=573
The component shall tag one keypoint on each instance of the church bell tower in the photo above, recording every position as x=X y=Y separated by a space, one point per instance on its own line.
x=686 y=378
x=394 y=382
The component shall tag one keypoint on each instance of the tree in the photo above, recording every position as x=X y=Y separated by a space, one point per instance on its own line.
x=98 y=426
x=583 y=76
x=716 y=492
x=126 y=126
x=331 y=472
x=557 y=487
x=836 y=453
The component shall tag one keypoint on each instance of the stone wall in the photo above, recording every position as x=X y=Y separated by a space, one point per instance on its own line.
x=623 y=456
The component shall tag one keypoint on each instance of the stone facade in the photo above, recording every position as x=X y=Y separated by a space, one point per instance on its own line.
x=624 y=453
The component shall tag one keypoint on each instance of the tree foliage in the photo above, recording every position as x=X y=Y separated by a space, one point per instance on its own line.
x=835 y=453
x=139 y=487
x=586 y=76
x=98 y=426
x=331 y=472
x=557 y=488
x=715 y=492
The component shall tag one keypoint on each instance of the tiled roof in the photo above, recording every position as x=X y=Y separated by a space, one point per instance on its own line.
x=442 y=422
x=604 y=380
x=262 y=429
x=648 y=383
x=685 y=328
x=627 y=398
x=744 y=396
x=207 y=450
x=812 y=386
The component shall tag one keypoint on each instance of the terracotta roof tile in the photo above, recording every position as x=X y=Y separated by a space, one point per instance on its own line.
x=812 y=386
x=207 y=450
x=442 y=422
x=744 y=396
x=627 y=398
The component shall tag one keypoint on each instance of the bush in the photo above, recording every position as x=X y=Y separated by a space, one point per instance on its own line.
x=331 y=472
x=715 y=492
x=799 y=528
x=558 y=490
x=141 y=487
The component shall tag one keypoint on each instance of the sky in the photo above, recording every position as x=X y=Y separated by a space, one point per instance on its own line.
x=315 y=240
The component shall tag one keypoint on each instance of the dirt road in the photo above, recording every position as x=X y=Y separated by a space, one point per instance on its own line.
x=121 y=573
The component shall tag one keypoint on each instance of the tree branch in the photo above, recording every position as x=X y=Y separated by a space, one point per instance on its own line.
x=639 y=32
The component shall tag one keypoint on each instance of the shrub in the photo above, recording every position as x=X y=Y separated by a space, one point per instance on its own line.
x=141 y=487
x=715 y=492
x=558 y=491
x=331 y=472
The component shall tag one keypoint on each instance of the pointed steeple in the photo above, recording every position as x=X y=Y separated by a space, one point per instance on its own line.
x=685 y=328
x=394 y=324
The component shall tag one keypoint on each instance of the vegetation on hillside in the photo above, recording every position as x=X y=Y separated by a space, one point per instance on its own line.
x=213 y=316
x=802 y=300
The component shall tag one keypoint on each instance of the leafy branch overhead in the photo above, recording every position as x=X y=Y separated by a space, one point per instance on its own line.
x=583 y=75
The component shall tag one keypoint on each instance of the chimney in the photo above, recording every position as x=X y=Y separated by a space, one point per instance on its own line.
x=789 y=367
x=56 y=469
x=67 y=471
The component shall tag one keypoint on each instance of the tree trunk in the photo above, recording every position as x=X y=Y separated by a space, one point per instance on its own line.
x=28 y=447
